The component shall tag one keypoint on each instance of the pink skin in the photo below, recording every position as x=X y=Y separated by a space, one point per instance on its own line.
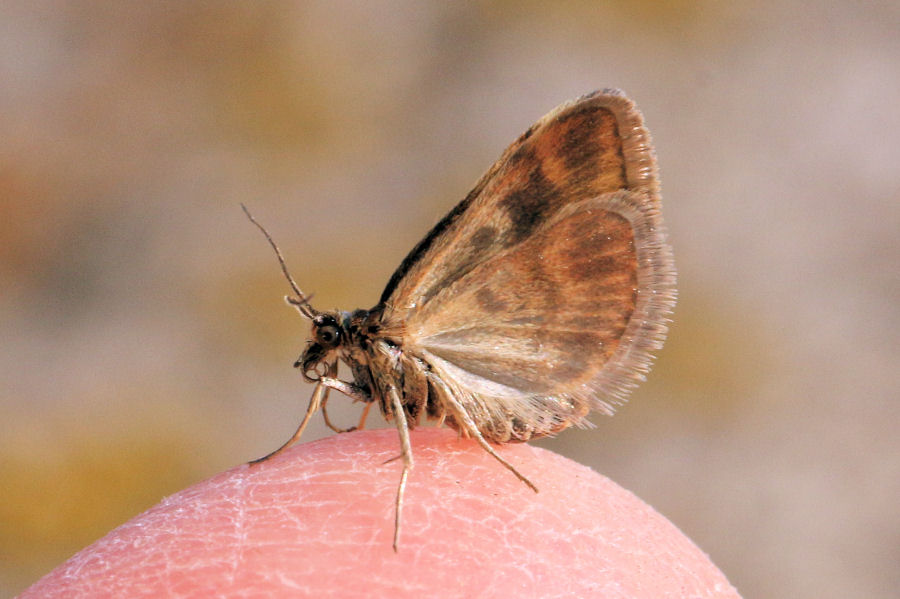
x=317 y=521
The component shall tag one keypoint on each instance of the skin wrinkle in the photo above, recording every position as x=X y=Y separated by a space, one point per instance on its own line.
x=241 y=485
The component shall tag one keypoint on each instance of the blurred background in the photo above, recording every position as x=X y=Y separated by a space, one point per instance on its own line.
x=146 y=346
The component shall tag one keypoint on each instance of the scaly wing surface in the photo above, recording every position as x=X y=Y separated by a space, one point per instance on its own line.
x=544 y=291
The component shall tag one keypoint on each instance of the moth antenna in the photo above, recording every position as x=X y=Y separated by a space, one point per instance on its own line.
x=301 y=302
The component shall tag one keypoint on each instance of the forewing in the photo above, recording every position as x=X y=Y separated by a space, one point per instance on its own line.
x=543 y=293
x=591 y=146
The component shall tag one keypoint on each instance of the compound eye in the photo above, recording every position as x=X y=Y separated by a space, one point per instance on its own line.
x=328 y=335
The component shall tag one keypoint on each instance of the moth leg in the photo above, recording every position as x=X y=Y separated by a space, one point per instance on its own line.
x=358 y=427
x=406 y=454
x=354 y=392
x=466 y=422
x=328 y=422
x=362 y=418
x=319 y=393
x=332 y=372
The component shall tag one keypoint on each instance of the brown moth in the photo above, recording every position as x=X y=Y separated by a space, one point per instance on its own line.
x=537 y=299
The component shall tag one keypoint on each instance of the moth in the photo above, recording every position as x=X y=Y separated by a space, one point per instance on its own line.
x=539 y=298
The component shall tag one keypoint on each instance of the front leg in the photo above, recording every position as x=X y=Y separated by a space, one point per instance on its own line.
x=318 y=400
x=351 y=390
x=314 y=403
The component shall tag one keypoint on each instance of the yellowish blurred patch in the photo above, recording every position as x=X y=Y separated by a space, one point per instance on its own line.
x=658 y=15
x=65 y=487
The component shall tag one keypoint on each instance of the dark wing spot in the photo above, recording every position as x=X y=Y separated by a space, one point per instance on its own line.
x=528 y=206
x=523 y=159
x=482 y=239
x=580 y=147
x=489 y=302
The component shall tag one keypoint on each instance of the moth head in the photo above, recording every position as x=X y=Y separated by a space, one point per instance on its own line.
x=321 y=353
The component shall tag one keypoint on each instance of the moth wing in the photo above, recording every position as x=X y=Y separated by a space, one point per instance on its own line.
x=593 y=145
x=561 y=323
x=576 y=194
